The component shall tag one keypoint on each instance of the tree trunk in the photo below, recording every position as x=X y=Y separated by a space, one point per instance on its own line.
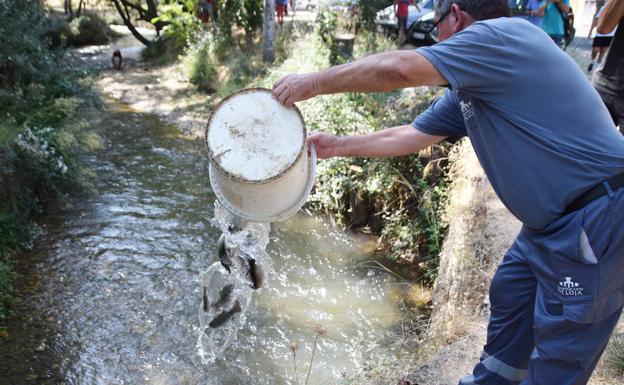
x=125 y=15
x=68 y=9
x=268 y=32
x=80 y=8
x=248 y=41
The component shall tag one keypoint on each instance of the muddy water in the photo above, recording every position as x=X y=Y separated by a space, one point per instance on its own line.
x=114 y=293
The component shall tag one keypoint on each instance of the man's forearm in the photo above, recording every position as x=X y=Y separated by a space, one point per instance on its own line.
x=379 y=73
x=394 y=141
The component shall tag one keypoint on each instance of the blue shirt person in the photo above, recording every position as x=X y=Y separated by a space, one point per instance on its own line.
x=552 y=22
x=535 y=13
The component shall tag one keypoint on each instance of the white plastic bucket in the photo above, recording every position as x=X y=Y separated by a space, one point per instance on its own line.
x=260 y=169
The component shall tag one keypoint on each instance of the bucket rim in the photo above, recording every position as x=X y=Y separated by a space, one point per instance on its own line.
x=236 y=177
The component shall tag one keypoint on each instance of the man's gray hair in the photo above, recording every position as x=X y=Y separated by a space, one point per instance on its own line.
x=478 y=9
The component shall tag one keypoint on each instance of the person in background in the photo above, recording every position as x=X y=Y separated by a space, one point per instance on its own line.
x=117 y=59
x=401 y=10
x=599 y=4
x=280 y=8
x=205 y=10
x=552 y=23
x=600 y=45
x=609 y=81
x=535 y=11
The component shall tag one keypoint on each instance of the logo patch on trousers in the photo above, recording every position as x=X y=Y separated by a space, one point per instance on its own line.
x=569 y=288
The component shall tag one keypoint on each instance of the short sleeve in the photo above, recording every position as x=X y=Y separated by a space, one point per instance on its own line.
x=443 y=118
x=475 y=60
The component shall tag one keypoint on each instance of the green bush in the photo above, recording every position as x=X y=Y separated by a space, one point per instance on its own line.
x=181 y=25
x=24 y=57
x=7 y=275
x=162 y=50
x=40 y=136
x=368 y=11
x=389 y=196
x=88 y=29
x=199 y=64
x=180 y=21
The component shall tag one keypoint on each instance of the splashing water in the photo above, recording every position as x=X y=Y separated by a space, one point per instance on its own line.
x=228 y=294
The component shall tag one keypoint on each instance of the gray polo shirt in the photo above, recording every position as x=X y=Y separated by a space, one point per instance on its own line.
x=540 y=130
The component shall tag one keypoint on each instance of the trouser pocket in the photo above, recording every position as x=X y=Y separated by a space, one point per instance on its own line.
x=578 y=266
x=569 y=346
x=564 y=263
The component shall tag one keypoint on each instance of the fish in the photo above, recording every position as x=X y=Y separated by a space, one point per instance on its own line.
x=222 y=318
x=256 y=274
x=247 y=265
x=224 y=295
x=223 y=254
x=249 y=268
x=205 y=301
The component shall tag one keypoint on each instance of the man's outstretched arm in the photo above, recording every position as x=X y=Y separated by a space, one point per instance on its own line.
x=376 y=73
x=394 y=141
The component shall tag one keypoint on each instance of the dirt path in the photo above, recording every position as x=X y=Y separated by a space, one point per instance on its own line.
x=162 y=91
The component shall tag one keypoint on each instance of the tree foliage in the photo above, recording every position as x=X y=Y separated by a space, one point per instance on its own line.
x=146 y=10
x=39 y=134
x=24 y=57
x=250 y=19
x=368 y=10
x=179 y=20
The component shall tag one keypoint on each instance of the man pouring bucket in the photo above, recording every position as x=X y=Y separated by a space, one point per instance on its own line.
x=553 y=156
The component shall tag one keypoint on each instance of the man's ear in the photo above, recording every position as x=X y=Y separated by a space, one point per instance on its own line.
x=458 y=18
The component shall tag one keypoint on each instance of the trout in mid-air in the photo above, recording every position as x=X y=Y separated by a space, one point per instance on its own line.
x=225 y=295
x=222 y=318
x=235 y=257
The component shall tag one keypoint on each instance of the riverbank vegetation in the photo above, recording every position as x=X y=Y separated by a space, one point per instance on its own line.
x=40 y=136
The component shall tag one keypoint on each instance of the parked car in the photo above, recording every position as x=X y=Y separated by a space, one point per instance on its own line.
x=419 y=22
x=420 y=19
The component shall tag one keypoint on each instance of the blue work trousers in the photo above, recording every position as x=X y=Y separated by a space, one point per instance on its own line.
x=555 y=299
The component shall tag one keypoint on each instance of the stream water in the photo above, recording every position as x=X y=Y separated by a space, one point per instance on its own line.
x=114 y=293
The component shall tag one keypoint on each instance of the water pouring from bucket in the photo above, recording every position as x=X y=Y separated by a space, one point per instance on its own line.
x=260 y=171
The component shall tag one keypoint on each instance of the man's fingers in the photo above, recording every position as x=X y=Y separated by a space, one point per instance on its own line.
x=314 y=136
x=283 y=94
x=278 y=90
x=278 y=82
